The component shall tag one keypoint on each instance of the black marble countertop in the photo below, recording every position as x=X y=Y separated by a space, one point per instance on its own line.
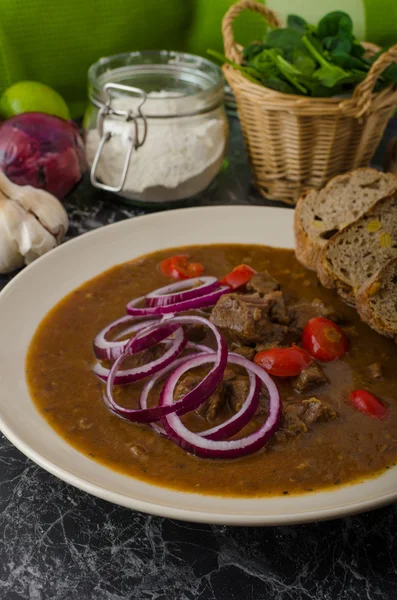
x=60 y=543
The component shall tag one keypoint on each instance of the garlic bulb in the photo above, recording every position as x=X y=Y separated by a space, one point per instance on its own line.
x=32 y=221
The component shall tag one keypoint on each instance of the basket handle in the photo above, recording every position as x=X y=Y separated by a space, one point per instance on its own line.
x=363 y=92
x=232 y=50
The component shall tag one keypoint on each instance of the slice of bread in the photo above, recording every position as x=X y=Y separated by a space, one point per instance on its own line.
x=376 y=300
x=321 y=214
x=353 y=255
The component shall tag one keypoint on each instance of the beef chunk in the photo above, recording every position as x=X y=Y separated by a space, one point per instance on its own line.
x=196 y=332
x=237 y=391
x=144 y=357
x=263 y=283
x=299 y=416
x=186 y=384
x=375 y=371
x=266 y=346
x=245 y=351
x=317 y=411
x=277 y=309
x=311 y=377
x=212 y=407
x=246 y=318
x=292 y=420
x=301 y=313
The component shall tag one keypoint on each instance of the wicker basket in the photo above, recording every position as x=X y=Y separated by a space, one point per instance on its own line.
x=295 y=143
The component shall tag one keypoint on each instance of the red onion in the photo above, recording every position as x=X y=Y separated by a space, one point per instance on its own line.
x=170 y=294
x=117 y=376
x=191 y=400
x=165 y=302
x=149 y=385
x=208 y=385
x=43 y=151
x=242 y=416
x=110 y=350
x=197 y=444
x=203 y=301
x=232 y=425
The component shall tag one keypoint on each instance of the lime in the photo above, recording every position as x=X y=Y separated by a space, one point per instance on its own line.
x=32 y=96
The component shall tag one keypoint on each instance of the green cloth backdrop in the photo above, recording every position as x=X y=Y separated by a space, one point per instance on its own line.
x=56 y=41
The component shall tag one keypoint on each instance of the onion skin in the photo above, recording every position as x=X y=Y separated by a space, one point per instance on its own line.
x=43 y=151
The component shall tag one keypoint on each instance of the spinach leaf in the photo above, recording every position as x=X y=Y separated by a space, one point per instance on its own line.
x=340 y=43
x=291 y=73
x=320 y=61
x=354 y=77
x=295 y=22
x=303 y=61
x=318 y=90
x=272 y=66
x=265 y=63
x=333 y=23
x=390 y=74
x=250 y=51
x=358 y=50
x=328 y=74
x=278 y=84
x=347 y=61
x=250 y=72
x=283 y=39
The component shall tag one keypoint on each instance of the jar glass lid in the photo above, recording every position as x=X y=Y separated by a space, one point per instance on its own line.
x=182 y=75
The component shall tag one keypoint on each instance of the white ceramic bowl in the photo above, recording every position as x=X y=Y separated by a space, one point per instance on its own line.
x=31 y=294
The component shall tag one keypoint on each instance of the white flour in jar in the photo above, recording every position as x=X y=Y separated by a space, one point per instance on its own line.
x=179 y=158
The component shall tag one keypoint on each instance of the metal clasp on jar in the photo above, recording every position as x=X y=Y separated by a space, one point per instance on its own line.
x=128 y=116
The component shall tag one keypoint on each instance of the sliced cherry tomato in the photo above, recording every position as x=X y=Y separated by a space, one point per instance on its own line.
x=368 y=404
x=179 y=267
x=283 y=362
x=238 y=277
x=324 y=340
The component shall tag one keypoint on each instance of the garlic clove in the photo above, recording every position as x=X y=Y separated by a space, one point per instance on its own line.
x=32 y=221
x=47 y=209
x=33 y=239
x=10 y=257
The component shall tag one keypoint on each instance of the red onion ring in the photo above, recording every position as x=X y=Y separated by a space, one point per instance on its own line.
x=201 y=302
x=110 y=350
x=170 y=294
x=229 y=427
x=196 y=444
x=191 y=400
x=149 y=385
x=208 y=385
x=117 y=376
x=151 y=336
x=158 y=376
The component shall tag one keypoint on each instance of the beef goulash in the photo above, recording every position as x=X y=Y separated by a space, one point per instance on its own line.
x=222 y=369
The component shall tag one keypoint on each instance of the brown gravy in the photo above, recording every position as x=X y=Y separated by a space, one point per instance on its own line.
x=69 y=395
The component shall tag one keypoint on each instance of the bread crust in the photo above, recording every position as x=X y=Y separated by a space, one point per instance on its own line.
x=364 y=309
x=325 y=273
x=306 y=247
